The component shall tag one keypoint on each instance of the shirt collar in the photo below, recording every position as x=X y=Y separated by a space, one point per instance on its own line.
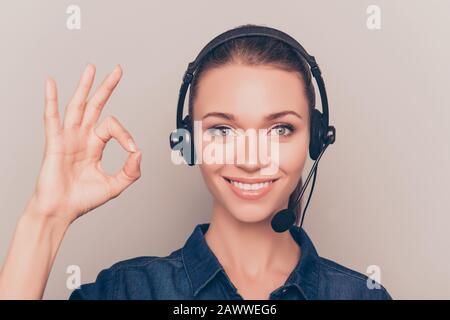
x=202 y=265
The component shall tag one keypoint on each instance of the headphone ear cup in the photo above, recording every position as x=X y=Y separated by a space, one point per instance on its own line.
x=189 y=155
x=182 y=139
x=316 y=142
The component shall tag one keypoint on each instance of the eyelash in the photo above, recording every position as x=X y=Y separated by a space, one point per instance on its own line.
x=290 y=127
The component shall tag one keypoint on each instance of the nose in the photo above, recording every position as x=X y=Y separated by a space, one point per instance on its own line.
x=252 y=152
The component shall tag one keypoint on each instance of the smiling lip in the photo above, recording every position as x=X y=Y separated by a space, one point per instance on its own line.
x=250 y=189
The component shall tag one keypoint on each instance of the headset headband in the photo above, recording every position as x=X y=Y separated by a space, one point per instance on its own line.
x=246 y=31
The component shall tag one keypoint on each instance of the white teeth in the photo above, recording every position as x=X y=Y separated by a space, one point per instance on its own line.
x=251 y=186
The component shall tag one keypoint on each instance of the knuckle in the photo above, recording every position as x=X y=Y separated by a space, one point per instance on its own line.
x=85 y=85
x=96 y=105
x=99 y=105
x=51 y=100
x=127 y=176
x=49 y=114
x=111 y=119
x=127 y=135
x=82 y=105
x=115 y=194
x=109 y=88
x=112 y=192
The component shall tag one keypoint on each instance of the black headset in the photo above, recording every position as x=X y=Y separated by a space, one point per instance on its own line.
x=321 y=133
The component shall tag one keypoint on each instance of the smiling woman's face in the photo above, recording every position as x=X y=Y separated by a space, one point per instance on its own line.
x=238 y=96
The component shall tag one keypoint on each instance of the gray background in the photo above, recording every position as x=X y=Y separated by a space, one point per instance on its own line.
x=381 y=195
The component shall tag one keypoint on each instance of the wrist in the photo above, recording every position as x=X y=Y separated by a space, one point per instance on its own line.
x=36 y=215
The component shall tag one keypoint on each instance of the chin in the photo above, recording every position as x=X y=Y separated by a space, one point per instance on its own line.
x=248 y=212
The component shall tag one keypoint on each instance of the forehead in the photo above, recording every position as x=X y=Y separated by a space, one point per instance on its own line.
x=250 y=92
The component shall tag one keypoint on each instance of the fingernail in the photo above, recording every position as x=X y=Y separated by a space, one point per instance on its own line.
x=132 y=145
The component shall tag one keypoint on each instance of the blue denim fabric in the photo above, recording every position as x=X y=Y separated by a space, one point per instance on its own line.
x=193 y=272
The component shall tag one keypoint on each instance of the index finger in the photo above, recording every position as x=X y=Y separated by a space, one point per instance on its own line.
x=110 y=128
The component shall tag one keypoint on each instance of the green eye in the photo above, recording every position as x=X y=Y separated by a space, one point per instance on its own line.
x=282 y=130
x=220 y=131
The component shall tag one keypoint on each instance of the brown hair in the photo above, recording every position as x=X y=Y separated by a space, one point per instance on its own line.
x=258 y=50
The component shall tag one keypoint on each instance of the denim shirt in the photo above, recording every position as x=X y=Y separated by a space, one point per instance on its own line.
x=193 y=272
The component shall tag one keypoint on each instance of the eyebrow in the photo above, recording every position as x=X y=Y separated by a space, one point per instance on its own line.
x=282 y=114
x=269 y=117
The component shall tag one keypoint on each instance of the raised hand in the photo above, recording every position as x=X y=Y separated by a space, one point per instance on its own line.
x=71 y=180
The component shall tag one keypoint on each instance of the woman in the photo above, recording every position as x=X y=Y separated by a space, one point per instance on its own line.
x=246 y=83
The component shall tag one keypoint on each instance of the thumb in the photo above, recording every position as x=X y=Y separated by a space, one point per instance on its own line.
x=130 y=172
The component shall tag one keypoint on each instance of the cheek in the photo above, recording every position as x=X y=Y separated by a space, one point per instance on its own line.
x=210 y=174
x=293 y=155
x=292 y=162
